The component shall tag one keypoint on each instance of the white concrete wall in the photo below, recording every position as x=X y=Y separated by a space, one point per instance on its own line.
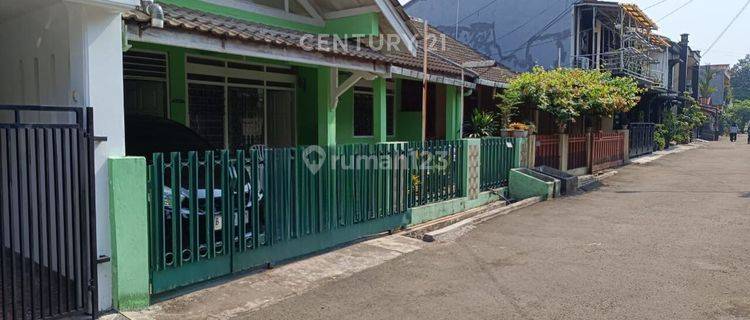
x=35 y=58
x=70 y=53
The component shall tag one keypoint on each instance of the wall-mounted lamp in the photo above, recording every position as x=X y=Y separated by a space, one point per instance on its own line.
x=155 y=11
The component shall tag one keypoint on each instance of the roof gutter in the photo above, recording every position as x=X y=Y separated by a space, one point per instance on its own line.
x=417 y=75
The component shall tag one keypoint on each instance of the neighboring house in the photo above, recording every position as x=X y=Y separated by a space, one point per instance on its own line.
x=518 y=34
x=233 y=74
x=447 y=59
x=588 y=34
x=718 y=100
x=720 y=82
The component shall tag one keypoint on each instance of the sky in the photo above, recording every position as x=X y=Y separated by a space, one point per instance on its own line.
x=703 y=20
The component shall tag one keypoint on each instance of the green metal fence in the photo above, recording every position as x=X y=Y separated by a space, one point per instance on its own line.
x=435 y=171
x=497 y=158
x=215 y=213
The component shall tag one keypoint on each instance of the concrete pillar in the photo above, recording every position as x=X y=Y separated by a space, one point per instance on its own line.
x=519 y=145
x=626 y=146
x=564 y=150
x=471 y=159
x=326 y=112
x=128 y=217
x=380 y=110
x=529 y=160
x=95 y=66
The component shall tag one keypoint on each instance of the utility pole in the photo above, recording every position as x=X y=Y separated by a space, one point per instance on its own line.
x=424 y=82
x=458 y=10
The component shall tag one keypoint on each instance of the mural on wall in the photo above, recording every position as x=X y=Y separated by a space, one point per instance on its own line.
x=518 y=34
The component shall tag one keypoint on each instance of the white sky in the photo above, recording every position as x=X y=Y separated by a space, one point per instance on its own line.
x=703 y=20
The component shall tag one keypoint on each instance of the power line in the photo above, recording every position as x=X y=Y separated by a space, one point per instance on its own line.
x=524 y=24
x=476 y=11
x=655 y=4
x=675 y=10
x=727 y=27
x=545 y=28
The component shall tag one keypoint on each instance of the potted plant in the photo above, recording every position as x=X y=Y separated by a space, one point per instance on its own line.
x=506 y=109
x=518 y=130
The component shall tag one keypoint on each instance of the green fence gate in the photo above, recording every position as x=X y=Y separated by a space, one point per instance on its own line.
x=215 y=213
x=498 y=156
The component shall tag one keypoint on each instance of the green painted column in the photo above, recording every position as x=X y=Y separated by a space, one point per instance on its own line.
x=380 y=110
x=450 y=113
x=459 y=114
x=178 y=109
x=326 y=113
x=454 y=106
x=128 y=215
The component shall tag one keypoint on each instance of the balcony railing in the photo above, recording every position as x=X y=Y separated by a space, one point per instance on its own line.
x=622 y=62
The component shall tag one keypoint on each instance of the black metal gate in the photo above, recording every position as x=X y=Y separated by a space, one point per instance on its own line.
x=641 y=138
x=47 y=213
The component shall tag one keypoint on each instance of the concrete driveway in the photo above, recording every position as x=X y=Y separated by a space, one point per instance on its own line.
x=665 y=240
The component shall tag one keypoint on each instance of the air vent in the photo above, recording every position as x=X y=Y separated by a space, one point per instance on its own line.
x=138 y=64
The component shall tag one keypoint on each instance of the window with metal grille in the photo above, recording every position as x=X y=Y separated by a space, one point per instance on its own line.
x=207 y=112
x=145 y=83
x=363 y=103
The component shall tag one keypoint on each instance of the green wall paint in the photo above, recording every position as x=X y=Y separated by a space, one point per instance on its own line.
x=128 y=215
x=450 y=113
x=367 y=24
x=326 y=118
x=244 y=15
x=363 y=24
x=380 y=110
x=418 y=215
x=408 y=124
x=523 y=186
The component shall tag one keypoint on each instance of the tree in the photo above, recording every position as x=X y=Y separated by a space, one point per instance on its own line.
x=741 y=79
x=705 y=87
x=738 y=112
x=568 y=93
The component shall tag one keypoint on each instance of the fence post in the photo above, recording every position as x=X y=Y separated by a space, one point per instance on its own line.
x=518 y=150
x=530 y=153
x=470 y=166
x=589 y=150
x=564 y=150
x=626 y=145
x=128 y=214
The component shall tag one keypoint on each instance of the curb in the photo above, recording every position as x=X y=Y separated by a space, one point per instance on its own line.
x=436 y=235
x=418 y=231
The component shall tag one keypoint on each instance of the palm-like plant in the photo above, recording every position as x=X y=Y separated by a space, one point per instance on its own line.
x=706 y=89
x=482 y=124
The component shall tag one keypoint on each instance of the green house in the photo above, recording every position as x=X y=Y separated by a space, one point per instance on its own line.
x=288 y=73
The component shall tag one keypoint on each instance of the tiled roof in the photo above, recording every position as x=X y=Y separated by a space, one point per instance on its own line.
x=435 y=64
x=659 y=40
x=635 y=12
x=459 y=53
x=225 y=27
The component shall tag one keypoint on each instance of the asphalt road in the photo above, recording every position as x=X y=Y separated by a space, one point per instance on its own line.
x=666 y=240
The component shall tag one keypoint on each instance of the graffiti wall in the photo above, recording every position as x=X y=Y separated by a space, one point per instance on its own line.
x=518 y=33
